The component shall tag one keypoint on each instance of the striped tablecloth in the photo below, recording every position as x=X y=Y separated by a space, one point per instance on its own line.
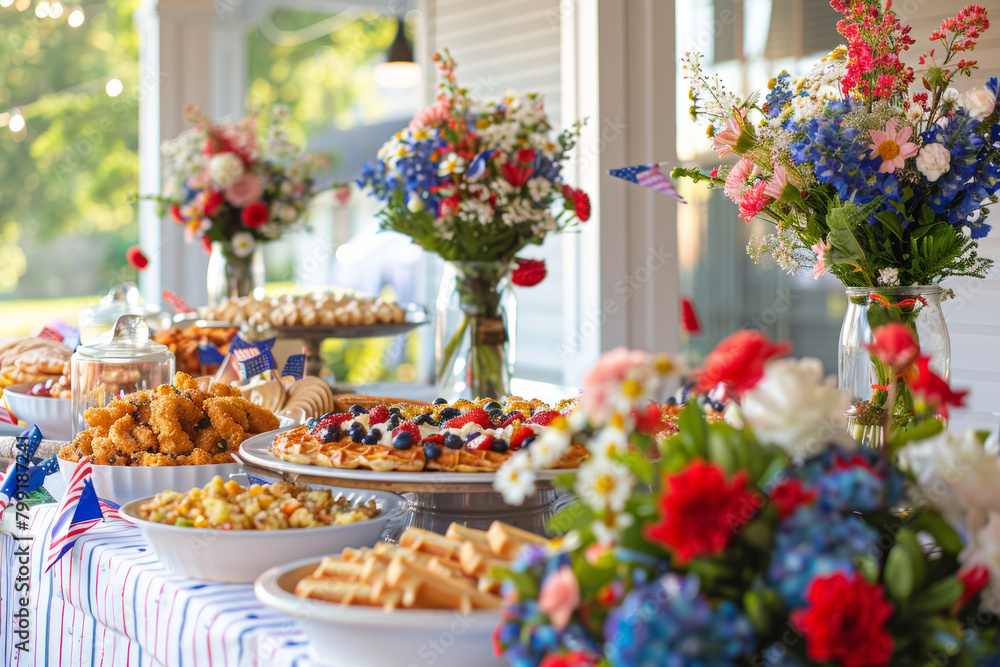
x=110 y=602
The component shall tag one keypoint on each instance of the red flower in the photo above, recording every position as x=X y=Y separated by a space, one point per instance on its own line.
x=934 y=390
x=648 y=421
x=690 y=321
x=516 y=174
x=973 y=580
x=175 y=213
x=447 y=205
x=213 y=200
x=136 y=258
x=526 y=155
x=894 y=345
x=571 y=659
x=845 y=622
x=255 y=215
x=529 y=272
x=789 y=495
x=581 y=205
x=700 y=510
x=206 y=244
x=739 y=361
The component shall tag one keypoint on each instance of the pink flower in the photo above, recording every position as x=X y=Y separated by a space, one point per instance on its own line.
x=245 y=191
x=738 y=175
x=779 y=180
x=725 y=140
x=560 y=596
x=820 y=248
x=611 y=368
x=431 y=116
x=753 y=200
x=892 y=146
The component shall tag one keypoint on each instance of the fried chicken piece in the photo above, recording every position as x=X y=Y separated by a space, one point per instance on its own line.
x=261 y=419
x=145 y=439
x=184 y=382
x=173 y=420
x=197 y=457
x=70 y=453
x=105 y=452
x=219 y=390
x=121 y=435
x=197 y=396
x=82 y=444
x=229 y=418
x=223 y=457
x=102 y=418
x=210 y=440
x=152 y=459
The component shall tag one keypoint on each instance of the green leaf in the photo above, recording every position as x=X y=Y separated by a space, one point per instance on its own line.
x=868 y=568
x=920 y=431
x=638 y=463
x=906 y=539
x=719 y=451
x=942 y=532
x=757 y=612
x=939 y=595
x=899 y=574
x=890 y=221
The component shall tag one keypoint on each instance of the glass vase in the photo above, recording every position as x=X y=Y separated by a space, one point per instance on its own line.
x=473 y=345
x=230 y=275
x=919 y=308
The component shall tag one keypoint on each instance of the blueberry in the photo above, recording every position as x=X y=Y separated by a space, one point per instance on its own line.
x=491 y=406
x=528 y=440
x=357 y=410
x=373 y=437
x=472 y=436
x=394 y=410
x=394 y=421
x=718 y=406
x=440 y=401
x=452 y=441
x=449 y=413
x=330 y=434
x=671 y=401
x=432 y=450
x=510 y=414
x=499 y=445
x=358 y=435
x=496 y=415
x=310 y=425
x=403 y=441
x=423 y=419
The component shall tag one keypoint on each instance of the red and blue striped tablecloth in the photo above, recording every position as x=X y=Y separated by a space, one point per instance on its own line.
x=111 y=602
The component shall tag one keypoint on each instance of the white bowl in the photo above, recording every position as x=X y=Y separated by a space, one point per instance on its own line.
x=122 y=484
x=54 y=416
x=240 y=556
x=349 y=636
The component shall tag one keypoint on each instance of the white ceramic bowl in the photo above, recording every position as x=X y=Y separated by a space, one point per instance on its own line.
x=347 y=636
x=122 y=484
x=240 y=556
x=54 y=416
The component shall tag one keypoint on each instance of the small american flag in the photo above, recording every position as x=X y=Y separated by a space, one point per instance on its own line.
x=78 y=512
x=209 y=354
x=295 y=366
x=177 y=302
x=254 y=361
x=50 y=334
x=650 y=176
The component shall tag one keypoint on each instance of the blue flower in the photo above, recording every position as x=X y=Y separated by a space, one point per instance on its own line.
x=670 y=623
x=816 y=542
x=837 y=155
x=780 y=95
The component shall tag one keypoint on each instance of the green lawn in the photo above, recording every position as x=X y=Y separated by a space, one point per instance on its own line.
x=28 y=316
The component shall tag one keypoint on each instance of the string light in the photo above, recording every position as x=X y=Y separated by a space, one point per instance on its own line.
x=55 y=10
x=114 y=88
x=6 y=3
x=21 y=5
x=16 y=123
x=42 y=9
x=75 y=18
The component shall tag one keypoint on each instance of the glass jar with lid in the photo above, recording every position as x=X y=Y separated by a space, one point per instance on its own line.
x=116 y=363
x=122 y=299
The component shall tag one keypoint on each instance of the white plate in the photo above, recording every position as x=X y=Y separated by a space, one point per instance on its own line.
x=122 y=484
x=256 y=451
x=240 y=556
x=348 y=636
x=54 y=416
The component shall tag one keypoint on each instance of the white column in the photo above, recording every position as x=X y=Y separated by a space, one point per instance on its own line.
x=175 y=58
x=622 y=285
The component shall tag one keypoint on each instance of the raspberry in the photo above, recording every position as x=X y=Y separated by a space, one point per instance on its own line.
x=476 y=415
x=378 y=415
x=519 y=436
x=543 y=418
x=408 y=427
x=329 y=420
x=482 y=442
x=511 y=417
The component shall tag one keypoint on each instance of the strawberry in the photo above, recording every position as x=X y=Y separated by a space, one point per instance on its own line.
x=511 y=418
x=410 y=428
x=436 y=439
x=329 y=420
x=543 y=418
x=378 y=415
x=520 y=435
x=476 y=415
x=483 y=442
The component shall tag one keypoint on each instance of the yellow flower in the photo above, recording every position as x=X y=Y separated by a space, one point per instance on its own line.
x=420 y=134
x=482 y=124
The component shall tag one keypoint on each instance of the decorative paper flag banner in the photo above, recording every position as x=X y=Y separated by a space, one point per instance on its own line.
x=6 y=417
x=650 y=176
x=179 y=304
x=78 y=512
x=70 y=334
x=295 y=366
x=209 y=355
x=253 y=361
x=110 y=510
x=240 y=343
x=27 y=443
x=50 y=334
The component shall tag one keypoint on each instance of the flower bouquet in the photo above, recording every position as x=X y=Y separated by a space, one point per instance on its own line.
x=770 y=538
x=475 y=182
x=869 y=169
x=233 y=189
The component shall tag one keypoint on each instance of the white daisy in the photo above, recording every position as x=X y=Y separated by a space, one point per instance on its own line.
x=515 y=479
x=603 y=484
x=453 y=164
x=549 y=447
x=605 y=534
x=243 y=244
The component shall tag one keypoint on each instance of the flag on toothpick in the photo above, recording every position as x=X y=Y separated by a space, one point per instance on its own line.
x=50 y=334
x=78 y=512
x=295 y=366
x=175 y=300
x=253 y=361
x=36 y=474
x=9 y=486
x=209 y=354
x=649 y=176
